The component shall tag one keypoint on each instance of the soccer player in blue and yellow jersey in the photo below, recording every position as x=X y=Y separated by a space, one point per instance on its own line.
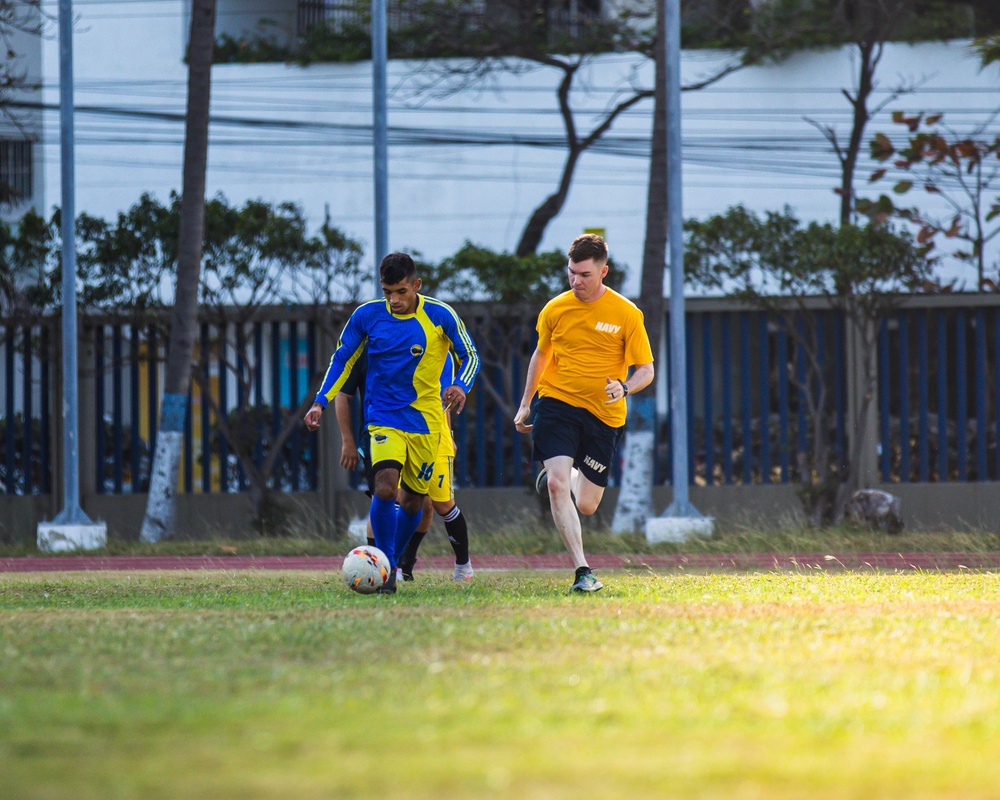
x=588 y=338
x=408 y=337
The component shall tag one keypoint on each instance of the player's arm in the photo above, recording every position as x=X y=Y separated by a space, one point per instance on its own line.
x=349 y=447
x=640 y=378
x=453 y=397
x=536 y=366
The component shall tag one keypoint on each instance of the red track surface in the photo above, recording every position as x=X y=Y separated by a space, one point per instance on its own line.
x=700 y=561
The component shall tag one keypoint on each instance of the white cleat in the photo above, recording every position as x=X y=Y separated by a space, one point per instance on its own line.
x=463 y=572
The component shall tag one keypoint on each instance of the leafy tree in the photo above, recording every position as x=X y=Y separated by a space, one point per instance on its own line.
x=254 y=256
x=961 y=171
x=514 y=38
x=776 y=265
x=865 y=26
x=24 y=248
x=988 y=48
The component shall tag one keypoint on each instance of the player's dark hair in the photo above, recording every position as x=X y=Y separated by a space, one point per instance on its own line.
x=588 y=245
x=397 y=267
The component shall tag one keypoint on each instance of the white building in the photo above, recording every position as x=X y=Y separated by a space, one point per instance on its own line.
x=468 y=166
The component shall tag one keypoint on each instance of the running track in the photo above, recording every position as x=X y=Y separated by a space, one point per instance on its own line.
x=696 y=562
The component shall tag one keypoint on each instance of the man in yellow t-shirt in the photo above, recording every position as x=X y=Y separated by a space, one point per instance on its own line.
x=588 y=338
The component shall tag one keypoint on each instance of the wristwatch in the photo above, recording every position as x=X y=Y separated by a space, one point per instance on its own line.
x=624 y=388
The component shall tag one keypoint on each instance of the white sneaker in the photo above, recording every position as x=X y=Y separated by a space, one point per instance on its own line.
x=463 y=572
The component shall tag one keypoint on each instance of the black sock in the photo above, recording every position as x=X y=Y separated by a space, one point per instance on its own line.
x=458 y=534
x=371 y=542
x=408 y=560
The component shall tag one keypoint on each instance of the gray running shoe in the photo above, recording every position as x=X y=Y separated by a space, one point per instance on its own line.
x=586 y=581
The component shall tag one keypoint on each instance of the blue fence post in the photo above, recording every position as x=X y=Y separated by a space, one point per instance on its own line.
x=805 y=388
x=242 y=401
x=961 y=396
x=135 y=441
x=727 y=399
x=942 y=396
x=883 y=399
x=45 y=477
x=709 y=421
x=745 y=397
x=765 y=400
x=99 y=405
x=923 y=399
x=206 y=420
x=904 y=397
x=839 y=388
x=783 y=410
x=981 y=373
x=27 y=456
x=10 y=483
x=118 y=403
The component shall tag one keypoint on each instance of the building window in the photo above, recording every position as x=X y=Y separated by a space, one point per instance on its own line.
x=15 y=170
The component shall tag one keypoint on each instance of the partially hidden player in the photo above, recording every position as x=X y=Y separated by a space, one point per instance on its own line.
x=356 y=452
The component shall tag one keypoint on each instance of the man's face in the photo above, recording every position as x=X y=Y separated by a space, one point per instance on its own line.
x=402 y=296
x=586 y=279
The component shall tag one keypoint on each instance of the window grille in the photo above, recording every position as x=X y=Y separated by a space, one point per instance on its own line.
x=15 y=169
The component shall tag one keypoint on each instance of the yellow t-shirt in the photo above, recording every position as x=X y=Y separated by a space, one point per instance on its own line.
x=590 y=342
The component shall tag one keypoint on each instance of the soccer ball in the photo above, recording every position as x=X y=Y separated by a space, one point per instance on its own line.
x=366 y=569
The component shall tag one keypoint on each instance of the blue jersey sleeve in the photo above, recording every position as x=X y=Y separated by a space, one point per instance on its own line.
x=463 y=347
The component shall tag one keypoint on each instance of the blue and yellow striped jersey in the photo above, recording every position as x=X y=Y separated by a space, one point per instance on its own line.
x=406 y=356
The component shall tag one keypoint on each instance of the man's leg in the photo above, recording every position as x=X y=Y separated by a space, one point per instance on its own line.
x=383 y=512
x=408 y=560
x=407 y=519
x=564 y=513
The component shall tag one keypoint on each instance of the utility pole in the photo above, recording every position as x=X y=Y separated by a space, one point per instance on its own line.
x=380 y=134
x=681 y=519
x=72 y=529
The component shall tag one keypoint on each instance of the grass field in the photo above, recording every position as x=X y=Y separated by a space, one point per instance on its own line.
x=274 y=685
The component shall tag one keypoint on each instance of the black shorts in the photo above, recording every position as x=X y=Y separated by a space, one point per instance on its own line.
x=365 y=453
x=559 y=429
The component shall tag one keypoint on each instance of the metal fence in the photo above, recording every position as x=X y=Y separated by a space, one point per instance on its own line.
x=937 y=398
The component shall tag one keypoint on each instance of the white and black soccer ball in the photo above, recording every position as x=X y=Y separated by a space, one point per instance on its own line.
x=366 y=569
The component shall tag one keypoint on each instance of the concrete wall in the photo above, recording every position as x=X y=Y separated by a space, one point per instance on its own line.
x=926 y=507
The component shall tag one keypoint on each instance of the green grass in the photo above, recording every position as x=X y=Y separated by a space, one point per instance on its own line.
x=267 y=685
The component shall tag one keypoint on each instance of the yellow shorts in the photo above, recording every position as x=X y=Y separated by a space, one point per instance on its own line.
x=442 y=488
x=414 y=452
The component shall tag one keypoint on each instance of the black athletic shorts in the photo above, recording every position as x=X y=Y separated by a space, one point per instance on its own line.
x=559 y=429
x=365 y=453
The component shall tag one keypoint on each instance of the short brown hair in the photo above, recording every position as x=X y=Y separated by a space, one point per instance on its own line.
x=588 y=245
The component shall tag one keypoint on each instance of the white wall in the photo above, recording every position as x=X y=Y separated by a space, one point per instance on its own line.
x=287 y=133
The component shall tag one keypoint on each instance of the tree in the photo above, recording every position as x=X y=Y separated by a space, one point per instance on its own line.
x=23 y=16
x=776 y=265
x=515 y=37
x=988 y=48
x=254 y=256
x=963 y=172
x=160 y=515
x=865 y=26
